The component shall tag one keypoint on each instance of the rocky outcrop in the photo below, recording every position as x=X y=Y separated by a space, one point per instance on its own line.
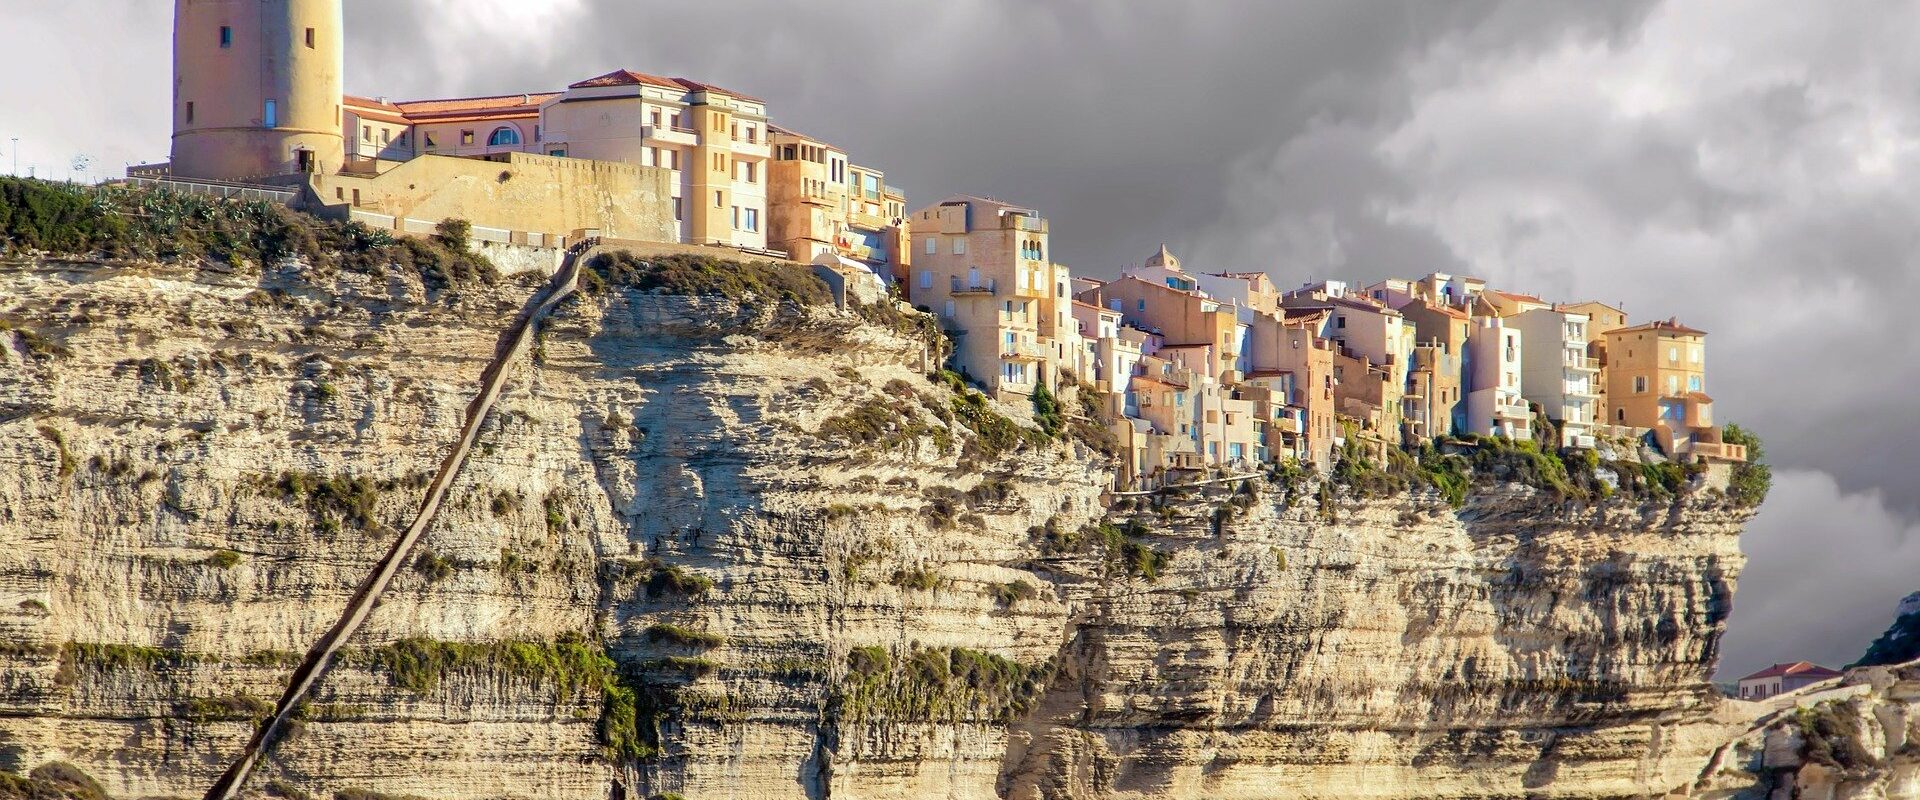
x=1855 y=739
x=727 y=549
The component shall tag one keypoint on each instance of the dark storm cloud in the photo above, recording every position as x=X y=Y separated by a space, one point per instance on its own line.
x=1751 y=167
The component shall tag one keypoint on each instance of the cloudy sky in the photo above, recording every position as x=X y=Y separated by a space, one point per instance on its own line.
x=1749 y=167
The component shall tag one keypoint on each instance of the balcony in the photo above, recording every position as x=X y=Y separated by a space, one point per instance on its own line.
x=1024 y=351
x=1720 y=451
x=893 y=192
x=1511 y=410
x=752 y=150
x=1022 y=222
x=1580 y=389
x=989 y=286
x=872 y=222
x=672 y=135
x=1582 y=363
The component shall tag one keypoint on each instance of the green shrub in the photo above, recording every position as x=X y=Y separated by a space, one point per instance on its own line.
x=54 y=780
x=238 y=705
x=920 y=578
x=222 y=559
x=1047 y=413
x=672 y=579
x=454 y=234
x=697 y=275
x=1750 y=480
x=286 y=791
x=433 y=566
x=669 y=633
x=1832 y=736
x=935 y=684
x=128 y=222
x=1011 y=594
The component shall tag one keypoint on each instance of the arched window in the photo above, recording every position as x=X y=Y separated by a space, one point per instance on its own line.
x=503 y=135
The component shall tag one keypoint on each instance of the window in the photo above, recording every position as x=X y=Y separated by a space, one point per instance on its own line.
x=503 y=136
x=1673 y=354
x=270 y=116
x=226 y=37
x=1639 y=384
x=677 y=215
x=366 y=133
x=753 y=134
x=719 y=199
x=1693 y=383
x=1693 y=354
x=386 y=136
x=428 y=136
x=1140 y=305
x=933 y=245
x=562 y=153
x=959 y=246
x=466 y=137
x=926 y=279
x=309 y=38
x=189 y=111
x=1340 y=322
x=949 y=305
x=736 y=218
x=674 y=119
x=753 y=219
x=1673 y=384
x=536 y=133
x=654 y=116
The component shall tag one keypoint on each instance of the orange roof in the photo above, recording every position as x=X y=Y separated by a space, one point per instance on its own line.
x=1516 y=296
x=374 y=109
x=474 y=109
x=1801 y=668
x=626 y=77
x=1444 y=309
x=1661 y=326
x=696 y=86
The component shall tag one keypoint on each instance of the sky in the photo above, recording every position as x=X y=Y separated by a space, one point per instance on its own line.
x=1752 y=168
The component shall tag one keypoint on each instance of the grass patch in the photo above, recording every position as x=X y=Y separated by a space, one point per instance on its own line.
x=1012 y=594
x=936 y=684
x=156 y=224
x=222 y=559
x=669 y=633
x=704 y=275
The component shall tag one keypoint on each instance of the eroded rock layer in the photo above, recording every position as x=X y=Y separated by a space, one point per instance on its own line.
x=733 y=551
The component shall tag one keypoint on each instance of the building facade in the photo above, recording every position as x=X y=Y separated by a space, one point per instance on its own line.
x=257 y=88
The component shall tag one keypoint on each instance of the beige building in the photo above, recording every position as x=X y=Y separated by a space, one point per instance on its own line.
x=1657 y=376
x=1438 y=377
x=981 y=266
x=819 y=202
x=1601 y=318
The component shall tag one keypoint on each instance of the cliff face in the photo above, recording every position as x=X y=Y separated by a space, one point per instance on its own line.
x=751 y=551
x=1856 y=738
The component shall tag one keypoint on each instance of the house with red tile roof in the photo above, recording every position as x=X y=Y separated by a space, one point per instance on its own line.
x=1782 y=678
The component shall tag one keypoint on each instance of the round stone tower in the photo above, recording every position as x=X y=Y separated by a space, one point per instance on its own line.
x=256 y=88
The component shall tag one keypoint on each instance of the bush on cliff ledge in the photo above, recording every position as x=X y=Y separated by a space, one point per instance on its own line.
x=1751 y=479
x=696 y=275
x=154 y=224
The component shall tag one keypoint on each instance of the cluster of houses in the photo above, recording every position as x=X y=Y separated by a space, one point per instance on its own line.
x=1221 y=370
x=1202 y=370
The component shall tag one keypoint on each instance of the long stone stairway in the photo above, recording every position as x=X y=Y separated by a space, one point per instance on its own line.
x=320 y=656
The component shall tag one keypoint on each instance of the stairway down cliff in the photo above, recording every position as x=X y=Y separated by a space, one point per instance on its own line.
x=739 y=545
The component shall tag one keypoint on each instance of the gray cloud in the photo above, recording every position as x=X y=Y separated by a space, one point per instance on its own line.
x=1751 y=167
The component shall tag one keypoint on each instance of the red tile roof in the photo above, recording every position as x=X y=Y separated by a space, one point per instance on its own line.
x=626 y=77
x=1661 y=325
x=696 y=86
x=1798 y=668
x=471 y=109
x=1516 y=296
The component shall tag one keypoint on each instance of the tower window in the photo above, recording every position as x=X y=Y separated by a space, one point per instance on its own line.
x=270 y=116
x=226 y=36
x=309 y=38
x=189 y=111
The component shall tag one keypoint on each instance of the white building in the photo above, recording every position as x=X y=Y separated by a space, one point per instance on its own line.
x=1495 y=406
x=1556 y=371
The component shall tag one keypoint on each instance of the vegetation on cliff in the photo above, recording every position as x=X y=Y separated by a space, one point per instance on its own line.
x=704 y=275
x=153 y=224
x=1456 y=465
x=935 y=684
